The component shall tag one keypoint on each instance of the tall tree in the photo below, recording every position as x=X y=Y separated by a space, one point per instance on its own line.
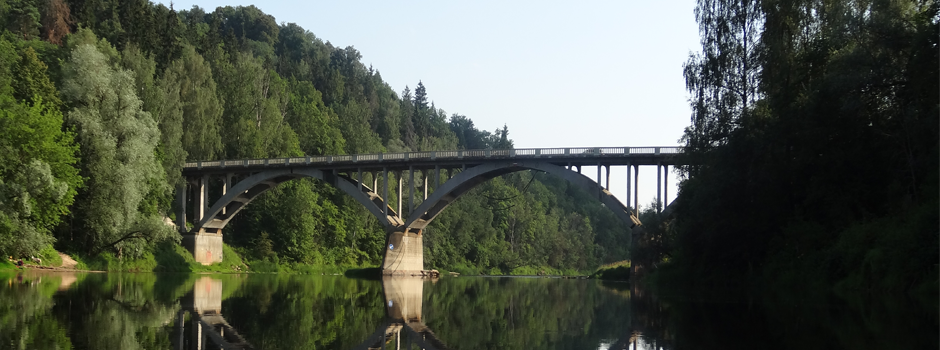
x=191 y=78
x=118 y=141
x=38 y=180
x=723 y=77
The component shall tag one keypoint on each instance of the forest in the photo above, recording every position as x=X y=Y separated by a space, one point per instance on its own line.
x=102 y=101
x=813 y=148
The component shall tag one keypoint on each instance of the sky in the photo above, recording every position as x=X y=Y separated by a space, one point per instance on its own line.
x=558 y=74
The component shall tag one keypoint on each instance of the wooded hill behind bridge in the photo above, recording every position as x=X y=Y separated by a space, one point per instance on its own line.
x=177 y=86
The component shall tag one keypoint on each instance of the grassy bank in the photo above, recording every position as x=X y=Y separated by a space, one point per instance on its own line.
x=170 y=257
x=617 y=271
x=518 y=271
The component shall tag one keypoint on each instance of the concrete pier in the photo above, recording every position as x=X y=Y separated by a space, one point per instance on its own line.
x=404 y=254
x=205 y=245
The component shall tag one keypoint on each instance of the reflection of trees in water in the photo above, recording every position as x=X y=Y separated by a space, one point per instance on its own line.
x=303 y=312
x=524 y=313
x=783 y=320
x=119 y=311
x=25 y=318
x=116 y=311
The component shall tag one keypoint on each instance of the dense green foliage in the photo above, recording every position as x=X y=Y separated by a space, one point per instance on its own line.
x=813 y=145
x=93 y=145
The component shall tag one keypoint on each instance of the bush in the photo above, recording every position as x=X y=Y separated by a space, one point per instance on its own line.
x=50 y=257
x=618 y=271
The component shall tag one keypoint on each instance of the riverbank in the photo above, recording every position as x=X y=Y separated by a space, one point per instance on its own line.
x=169 y=257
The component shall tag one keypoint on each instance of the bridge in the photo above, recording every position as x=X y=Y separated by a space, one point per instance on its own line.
x=443 y=176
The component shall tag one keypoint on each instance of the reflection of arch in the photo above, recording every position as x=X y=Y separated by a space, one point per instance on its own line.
x=403 y=299
x=472 y=177
x=250 y=188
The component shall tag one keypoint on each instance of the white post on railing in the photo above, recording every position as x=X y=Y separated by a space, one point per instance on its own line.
x=460 y=154
x=381 y=156
x=199 y=165
x=512 y=152
x=308 y=160
x=538 y=152
x=329 y=159
x=355 y=158
x=433 y=155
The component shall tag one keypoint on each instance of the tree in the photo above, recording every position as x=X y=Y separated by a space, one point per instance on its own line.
x=118 y=141
x=190 y=77
x=30 y=81
x=161 y=99
x=255 y=100
x=723 y=77
x=56 y=21
x=315 y=124
x=38 y=180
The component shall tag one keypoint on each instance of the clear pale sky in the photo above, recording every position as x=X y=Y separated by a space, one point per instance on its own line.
x=558 y=74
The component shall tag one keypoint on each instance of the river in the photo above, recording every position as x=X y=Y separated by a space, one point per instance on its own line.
x=45 y=310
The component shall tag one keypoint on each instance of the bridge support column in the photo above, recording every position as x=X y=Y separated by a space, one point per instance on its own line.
x=665 y=184
x=205 y=244
x=629 y=169
x=411 y=191
x=199 y=200
x=181 y=209
x=226 y=186
x=636 y=189
x=425 y=184
x=400 y=192
x=659 y=188
x=385 y=190
x=607 y=184
x=404 y=253
x=600 y=182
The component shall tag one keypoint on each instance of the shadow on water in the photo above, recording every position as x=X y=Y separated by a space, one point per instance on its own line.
x=265 y=311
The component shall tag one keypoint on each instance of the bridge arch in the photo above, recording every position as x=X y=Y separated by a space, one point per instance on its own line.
x=253 y=186
x=466 y=180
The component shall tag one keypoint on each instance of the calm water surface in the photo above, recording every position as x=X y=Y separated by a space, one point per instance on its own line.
x=148 y=311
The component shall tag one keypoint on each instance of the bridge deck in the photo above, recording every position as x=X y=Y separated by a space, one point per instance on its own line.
x=575 y=156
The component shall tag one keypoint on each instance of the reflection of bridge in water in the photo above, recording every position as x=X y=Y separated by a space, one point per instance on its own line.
x=209 y=329
x=403 y=298
x=402 y=328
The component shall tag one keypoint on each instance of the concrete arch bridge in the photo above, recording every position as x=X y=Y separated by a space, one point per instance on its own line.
x=443 y=176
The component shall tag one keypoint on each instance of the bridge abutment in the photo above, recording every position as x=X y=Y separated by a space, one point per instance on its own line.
x=404 y=253
x=206 y=245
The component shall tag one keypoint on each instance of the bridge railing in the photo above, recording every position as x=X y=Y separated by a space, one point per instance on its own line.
x=437 y=155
